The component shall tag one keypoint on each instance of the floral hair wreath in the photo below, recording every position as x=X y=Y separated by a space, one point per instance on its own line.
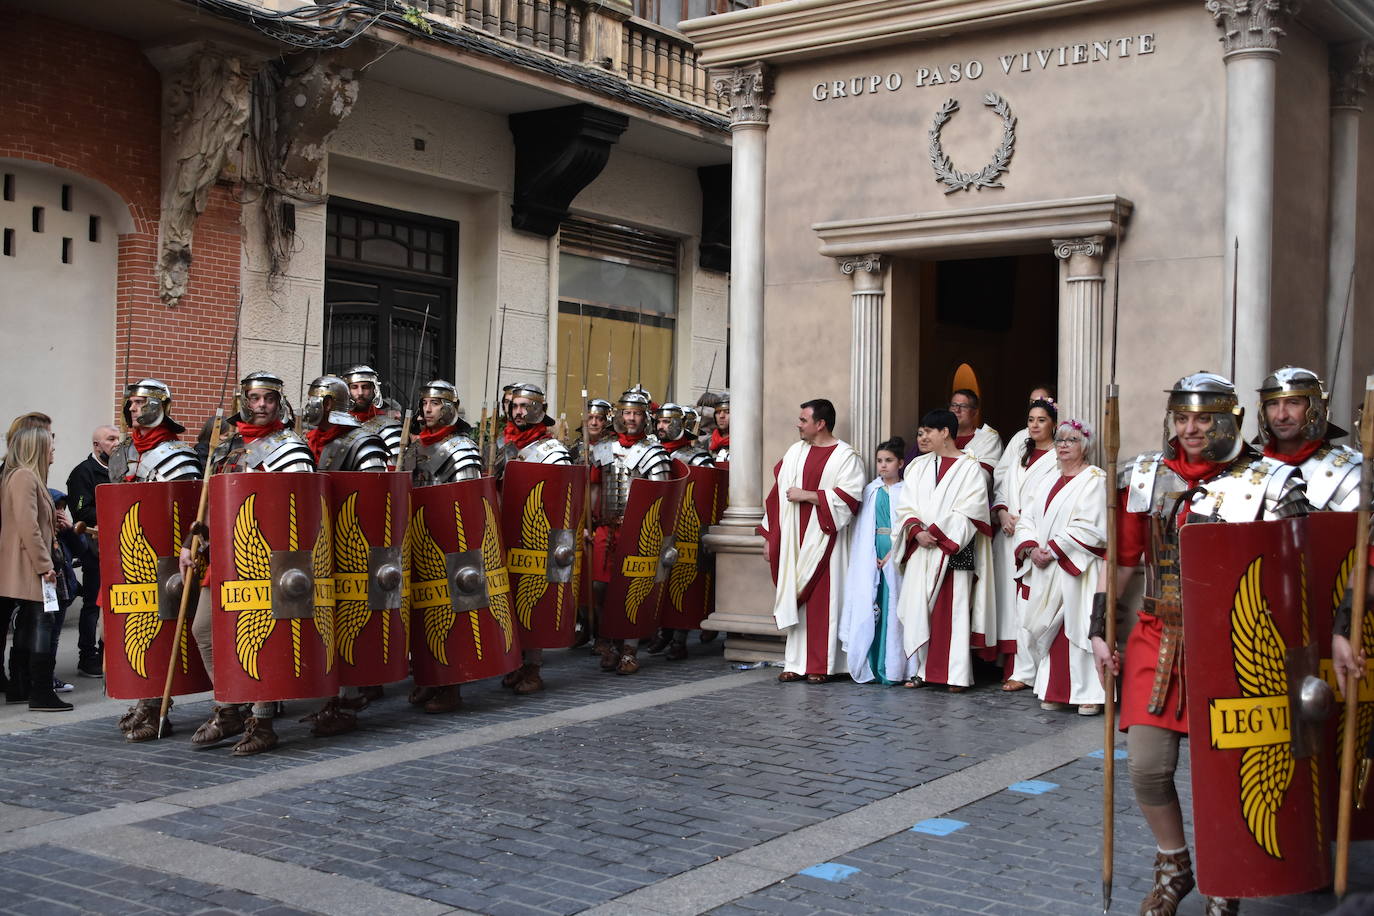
x=1080 y=426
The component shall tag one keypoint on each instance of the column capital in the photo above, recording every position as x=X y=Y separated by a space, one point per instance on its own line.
x=1091 y=246
x=1252 y=25
x=1352 y=65
x=867 y=271
x=744 y=92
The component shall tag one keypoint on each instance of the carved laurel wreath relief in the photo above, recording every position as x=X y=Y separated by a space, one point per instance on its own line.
x=952 y=178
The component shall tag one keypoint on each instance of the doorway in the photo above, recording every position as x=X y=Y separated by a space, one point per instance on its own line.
x=989 y=324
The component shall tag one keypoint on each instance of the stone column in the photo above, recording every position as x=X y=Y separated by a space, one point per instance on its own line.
x=1351 y=67
x=744 y=590
x=1080 y=329
x=1251 y=30
x=865 y=372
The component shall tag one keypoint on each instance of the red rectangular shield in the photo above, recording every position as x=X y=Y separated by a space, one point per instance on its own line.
x=690 y=597
x=141 y=529
x=271 y=561
x=370 y=515
x=1258 y=817
x=541 y=512
x=462 y=628
x=641 y=559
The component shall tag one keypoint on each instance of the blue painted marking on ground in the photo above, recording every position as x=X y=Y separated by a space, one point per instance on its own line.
x=1033 y=787
x=830 y=871
x=1117 y=753
x=939 y=826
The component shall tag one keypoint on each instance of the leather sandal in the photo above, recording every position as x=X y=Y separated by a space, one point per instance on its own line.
x=629 y=663
x=148 y=726
x=530 y=681
x=225 y=722
x=331 y=719
x=445 y=699
x=788 y=677
x=419 y=696
x=817 y=679
x=955 y=688
x=913 y=683
x=1013 y=686
x=258 y=736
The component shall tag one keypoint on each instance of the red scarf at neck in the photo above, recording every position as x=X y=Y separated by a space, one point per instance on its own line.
x=322 y=435
x=429 y=436
x=718 y=441
x=251 y=433
x=520 y=438
x=1307 y=450
x=627 y=440
x=676 y=444
x=1194 y=472
x=145 y=439
x=362 y=416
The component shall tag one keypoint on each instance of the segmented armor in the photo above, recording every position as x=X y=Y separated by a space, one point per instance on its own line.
x=170 y=460
x=389 y=431
x=359 y=449
x=694 y=456
x=619 y=465
x=446 y=461
x=281 y=451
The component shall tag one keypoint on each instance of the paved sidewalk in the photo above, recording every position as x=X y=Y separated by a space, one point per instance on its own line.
x=688 y=788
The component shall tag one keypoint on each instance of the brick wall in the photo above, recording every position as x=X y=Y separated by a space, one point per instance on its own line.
x=89 y=102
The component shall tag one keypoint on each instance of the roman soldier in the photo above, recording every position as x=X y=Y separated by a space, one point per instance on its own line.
x=261 y=441
x=1205 y=473
x=338 y=440
x=150 y=453
x=368 y=407
x=593 y=431
x=616 y=461
x=441 y=453
x=1296 y=430
x=526 y=437
x=676 y=428
x=720 y=436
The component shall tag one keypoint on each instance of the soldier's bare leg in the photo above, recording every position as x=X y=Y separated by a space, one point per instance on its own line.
x=225 y=721
x=1153 y=760
x=677 y=645
x=258 y=734
x=605 y=648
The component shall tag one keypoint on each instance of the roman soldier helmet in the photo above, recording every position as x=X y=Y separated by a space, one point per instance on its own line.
x=363 y=373
x=326 y=386
x=262 y=381
x=724 y=400
x=691 y=420
x=599 y=406
x=676 y=415
x=1207 y=392
x=154 y=411
x=636 y=398
x=443 y=391
x=1294 y=382
x=535 y=395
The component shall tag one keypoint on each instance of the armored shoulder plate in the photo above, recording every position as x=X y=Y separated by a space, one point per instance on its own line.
x=721 y=455
x=281 y=451
x=546 y=451
x=389 y=431
x=357 y=450
x=648 y=459
x=446 y=461
x=170 y=460
x=1332 y=476
x=695 y=456
x=1252 y=488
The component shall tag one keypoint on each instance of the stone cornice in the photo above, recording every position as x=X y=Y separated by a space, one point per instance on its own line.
x=1252 y=25
x=798 y=29
x=1352 y=66
x=1024 y=227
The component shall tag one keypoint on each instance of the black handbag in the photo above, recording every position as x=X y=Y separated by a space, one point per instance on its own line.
x=963 y=560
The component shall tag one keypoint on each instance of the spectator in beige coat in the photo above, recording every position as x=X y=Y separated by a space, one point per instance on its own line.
x=26 y=562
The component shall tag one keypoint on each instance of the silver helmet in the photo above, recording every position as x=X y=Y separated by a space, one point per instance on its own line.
x=535 y=395
x=724 y=401
x=599 y=406
x=326 y=386
x=262 y=381
x=675 y=415
x=504 y=413
x=1209 y=393
x=156 y=406
x=362 y=373
x=445 y=392
x=1294 y=382
x=636 y=398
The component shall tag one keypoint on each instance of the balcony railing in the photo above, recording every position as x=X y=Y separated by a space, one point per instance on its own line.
x=650 y=55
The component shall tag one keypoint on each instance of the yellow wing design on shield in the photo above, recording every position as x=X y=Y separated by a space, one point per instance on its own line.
x=650 y=543
x=252 y=561
x=688 y=531
x=409 y=577
x=321 y=563
x=1265 y=772
x=534 y=535
x=350 y=617
x=492 y=560
x=138 y=562
x=427 y=565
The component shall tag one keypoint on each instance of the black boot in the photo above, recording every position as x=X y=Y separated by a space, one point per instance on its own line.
x=41 y=695
x=18 y=689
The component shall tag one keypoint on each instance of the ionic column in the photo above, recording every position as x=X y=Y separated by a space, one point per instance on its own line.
x=1080 y=328
x=865 y=392
x=1351 y=67
x=744 y=91
x=1251 y=30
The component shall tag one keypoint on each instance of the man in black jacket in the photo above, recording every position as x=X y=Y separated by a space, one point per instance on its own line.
x=81 y=484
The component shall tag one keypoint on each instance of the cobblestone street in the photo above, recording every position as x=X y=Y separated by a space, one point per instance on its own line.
x=688 y=788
